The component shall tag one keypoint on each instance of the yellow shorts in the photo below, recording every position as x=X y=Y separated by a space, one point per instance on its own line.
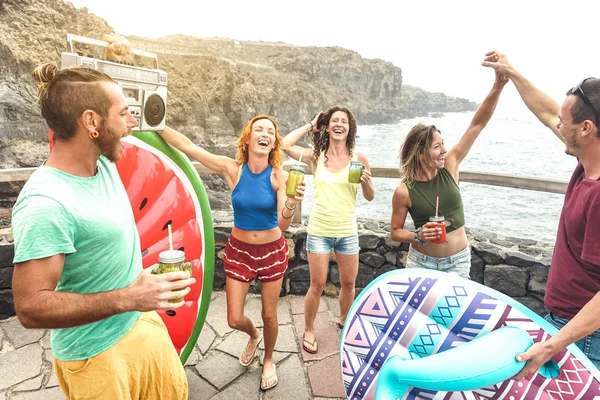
x=143 y=364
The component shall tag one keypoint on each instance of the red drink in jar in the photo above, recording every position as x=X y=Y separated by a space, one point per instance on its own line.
x=440 y=223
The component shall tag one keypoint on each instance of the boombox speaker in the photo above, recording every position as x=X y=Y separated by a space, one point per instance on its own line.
x=144 y=88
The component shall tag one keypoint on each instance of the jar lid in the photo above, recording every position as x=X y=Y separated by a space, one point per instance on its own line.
x=356 y=162
x=297 y=168
x=171 y=257
x=439 y=218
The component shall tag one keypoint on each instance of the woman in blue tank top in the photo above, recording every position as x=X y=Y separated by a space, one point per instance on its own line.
x=256 y=247
x=430 y=173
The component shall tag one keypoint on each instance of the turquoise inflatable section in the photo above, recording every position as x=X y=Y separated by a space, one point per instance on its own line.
x=459 y=369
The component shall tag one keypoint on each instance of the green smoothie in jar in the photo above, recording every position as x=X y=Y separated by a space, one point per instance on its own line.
x=173 y=261
x=295 y=179
x=355 y=171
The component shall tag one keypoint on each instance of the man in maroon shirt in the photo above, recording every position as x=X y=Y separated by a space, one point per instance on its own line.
x=572 y=292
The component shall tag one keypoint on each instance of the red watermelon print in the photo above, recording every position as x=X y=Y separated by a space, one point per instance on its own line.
x=164 y=188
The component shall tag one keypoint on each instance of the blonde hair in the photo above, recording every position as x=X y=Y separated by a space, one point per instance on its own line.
x=64 y=95
x=415 y=146
x=276 y=154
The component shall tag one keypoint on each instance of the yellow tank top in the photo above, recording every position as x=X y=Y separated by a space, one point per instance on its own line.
x=334 y=212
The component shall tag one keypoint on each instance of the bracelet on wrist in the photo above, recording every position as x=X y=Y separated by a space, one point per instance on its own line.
x=417 y=238
x=283 y=215
x=288 y=207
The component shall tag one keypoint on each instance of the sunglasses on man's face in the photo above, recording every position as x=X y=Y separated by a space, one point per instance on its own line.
x=578 y=90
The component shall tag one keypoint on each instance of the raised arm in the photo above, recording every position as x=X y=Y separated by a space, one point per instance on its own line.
x=480 y=119
x=39 y=306
x=223 y=165
x=118 y=49
x=540 y=104
x=290 y=140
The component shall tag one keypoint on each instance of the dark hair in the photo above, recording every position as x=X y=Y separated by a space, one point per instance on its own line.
x=321 y=138
x=64 y=95
x=417 y=143
x=582 y=111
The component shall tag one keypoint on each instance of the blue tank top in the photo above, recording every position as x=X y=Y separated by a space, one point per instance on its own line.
x=254 y=201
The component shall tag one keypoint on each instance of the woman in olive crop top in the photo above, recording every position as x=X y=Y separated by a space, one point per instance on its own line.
x=429 y=172
x=256 y=247
x=332 y=224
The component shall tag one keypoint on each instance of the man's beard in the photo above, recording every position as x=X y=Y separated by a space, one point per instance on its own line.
x=109 y=142
x=571 y=147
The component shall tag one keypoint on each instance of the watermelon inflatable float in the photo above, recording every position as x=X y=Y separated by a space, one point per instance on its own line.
x=164 y=188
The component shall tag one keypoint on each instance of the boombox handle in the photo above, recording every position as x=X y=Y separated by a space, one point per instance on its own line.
x=82 y=39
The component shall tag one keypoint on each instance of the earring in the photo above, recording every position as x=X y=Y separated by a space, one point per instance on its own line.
x=93 y=135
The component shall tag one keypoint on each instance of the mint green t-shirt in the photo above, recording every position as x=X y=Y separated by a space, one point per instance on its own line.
x=90 y=221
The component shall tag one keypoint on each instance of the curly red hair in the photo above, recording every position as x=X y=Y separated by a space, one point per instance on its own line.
x=276 y=155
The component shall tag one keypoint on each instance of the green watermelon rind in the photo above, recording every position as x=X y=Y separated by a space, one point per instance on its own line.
x=154 y=140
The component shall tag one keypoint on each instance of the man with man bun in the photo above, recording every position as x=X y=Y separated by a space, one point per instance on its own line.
x=78 y=265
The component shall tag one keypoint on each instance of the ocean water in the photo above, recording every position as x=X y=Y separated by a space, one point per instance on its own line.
x=513 y=142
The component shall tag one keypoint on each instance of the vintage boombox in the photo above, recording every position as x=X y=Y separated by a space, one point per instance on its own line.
x=144 y=88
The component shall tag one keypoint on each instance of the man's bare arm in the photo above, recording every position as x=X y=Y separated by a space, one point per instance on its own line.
x=39 y=306
x=584 y=323
x=545 y=108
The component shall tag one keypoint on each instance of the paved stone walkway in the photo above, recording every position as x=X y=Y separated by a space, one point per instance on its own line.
x=213 y=369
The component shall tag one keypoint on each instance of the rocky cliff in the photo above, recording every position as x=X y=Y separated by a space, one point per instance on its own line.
x=215 y=85
x=32 y=32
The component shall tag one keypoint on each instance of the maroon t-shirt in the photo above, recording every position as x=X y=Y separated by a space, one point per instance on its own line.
x=574 y=276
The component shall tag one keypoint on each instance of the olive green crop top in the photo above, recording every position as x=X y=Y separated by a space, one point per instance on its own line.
x=422 y=198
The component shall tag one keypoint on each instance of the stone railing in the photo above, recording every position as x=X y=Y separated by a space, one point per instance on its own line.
x=516 y=267
x=485 y=178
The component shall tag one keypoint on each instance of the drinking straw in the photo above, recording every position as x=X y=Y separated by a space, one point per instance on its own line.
x=300 y=158
x=170 y=238
x=437 y=202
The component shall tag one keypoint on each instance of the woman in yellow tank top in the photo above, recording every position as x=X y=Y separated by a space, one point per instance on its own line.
x=332 y=224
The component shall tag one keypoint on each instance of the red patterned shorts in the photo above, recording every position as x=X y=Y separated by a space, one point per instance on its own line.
x=267 y=262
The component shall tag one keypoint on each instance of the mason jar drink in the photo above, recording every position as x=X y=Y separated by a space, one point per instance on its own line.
x=355 y=171
x=440 y=223
x=172 y=261
x=295 y=179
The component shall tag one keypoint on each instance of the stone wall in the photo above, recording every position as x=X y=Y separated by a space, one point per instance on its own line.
x=516 y=267
x=6 y=270
x=513 y=266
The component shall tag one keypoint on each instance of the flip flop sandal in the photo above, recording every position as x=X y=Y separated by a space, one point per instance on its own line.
x=273 y=378
x=313 y=344
x=246 y=356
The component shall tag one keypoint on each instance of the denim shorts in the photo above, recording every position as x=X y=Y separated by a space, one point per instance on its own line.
x=323 y=245
x=590 y=345
x=458 y=264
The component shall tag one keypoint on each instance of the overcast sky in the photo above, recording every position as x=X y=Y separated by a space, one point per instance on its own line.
x=438 y=44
